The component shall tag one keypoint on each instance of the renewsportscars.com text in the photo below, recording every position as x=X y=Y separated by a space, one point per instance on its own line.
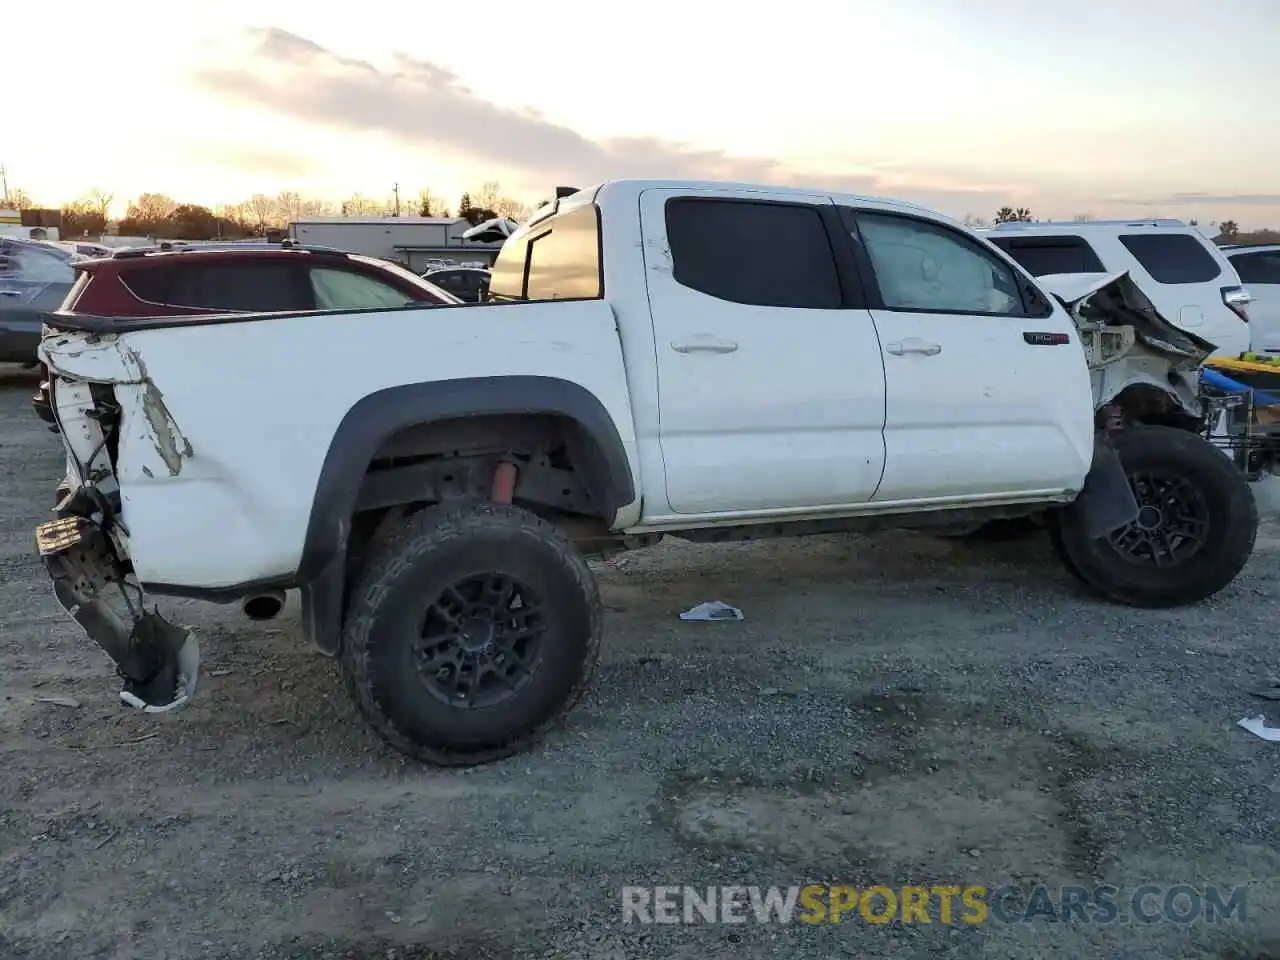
x=945 y=904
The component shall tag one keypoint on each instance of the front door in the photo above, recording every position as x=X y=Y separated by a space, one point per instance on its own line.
x=988 y=390
x=770 y=381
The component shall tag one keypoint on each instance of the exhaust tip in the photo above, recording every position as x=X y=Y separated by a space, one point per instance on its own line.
x=263 y=606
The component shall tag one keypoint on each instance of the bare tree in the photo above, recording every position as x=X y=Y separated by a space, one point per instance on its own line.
x=975 y=222
x=288 y=207
x=99 y=201
x=488 y=196
x=314 y=208
x=429 y=205
x=82 y=218
x=511 y=209
x=261 y=210
x=151 y=207
x=358 y=205
x=18 y=200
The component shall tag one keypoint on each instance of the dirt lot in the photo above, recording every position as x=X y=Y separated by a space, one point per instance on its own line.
x=893 y=710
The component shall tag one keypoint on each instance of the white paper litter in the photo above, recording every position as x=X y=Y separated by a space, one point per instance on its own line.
x=712 y=610
x=1258 y=726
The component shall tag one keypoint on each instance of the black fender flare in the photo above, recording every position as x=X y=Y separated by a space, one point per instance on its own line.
x=380 y=415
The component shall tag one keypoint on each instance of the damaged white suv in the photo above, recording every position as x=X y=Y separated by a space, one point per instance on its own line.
x=715 y=361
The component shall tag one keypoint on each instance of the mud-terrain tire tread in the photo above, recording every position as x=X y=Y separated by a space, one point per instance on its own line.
x=1233 y=527
x=392 y=556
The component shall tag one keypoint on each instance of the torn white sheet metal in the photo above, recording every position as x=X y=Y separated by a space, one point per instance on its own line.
x=499 y=228
x=1258 y=727
x=1115 y=300
x=712 y=610
x=1072 y=287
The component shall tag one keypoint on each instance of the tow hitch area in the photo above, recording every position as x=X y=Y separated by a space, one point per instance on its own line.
x=158 y=662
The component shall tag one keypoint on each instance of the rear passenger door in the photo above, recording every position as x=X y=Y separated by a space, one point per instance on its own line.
x=1260 y=273
x=770 y=382
x=988 y=390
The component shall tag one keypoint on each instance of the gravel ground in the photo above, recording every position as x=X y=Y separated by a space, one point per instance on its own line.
x=893 y=710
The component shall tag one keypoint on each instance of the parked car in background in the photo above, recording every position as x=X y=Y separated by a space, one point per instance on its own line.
x=84 y=248
x=34 y=280
x=470 y=284
x=1188 y=279
x=1259 y=268
x=205 y=278
x=191 y=279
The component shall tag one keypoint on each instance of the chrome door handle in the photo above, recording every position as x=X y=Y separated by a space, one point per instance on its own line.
x=704 y=345
x=901 y=347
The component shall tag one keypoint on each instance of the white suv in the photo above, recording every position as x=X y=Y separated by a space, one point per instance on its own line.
x=1188 y=279
x=1259 y=267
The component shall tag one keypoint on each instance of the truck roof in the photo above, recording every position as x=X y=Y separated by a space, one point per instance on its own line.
x=376 y=221
x=625 y=191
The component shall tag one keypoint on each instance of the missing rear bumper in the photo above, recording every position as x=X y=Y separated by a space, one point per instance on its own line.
x=158 y=661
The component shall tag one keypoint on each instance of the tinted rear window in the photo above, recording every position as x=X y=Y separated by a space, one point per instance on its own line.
x=1261 y=267
x=1041 y=256
x=251 y=287
x=562 y=263
x=751 y=252
x=1173 y=258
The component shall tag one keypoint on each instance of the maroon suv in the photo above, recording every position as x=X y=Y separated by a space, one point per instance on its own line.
x=176 y=279
x=192 y=279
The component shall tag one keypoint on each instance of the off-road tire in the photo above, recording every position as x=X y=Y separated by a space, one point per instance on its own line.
x=1232 y=517
x=415 y=561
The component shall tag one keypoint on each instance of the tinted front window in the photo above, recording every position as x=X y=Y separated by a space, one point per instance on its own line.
x=757 y=253
x=234 y=287
x=1258 y=267
x=559 y=263
x=1173 y=258
x=925 y=267
x=1042 y=256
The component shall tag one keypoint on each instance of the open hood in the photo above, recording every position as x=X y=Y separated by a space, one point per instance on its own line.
x=1113 y=299
x=491 y=231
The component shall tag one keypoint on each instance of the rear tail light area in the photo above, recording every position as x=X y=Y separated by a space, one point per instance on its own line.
x=42 y=402
x=1237 y=299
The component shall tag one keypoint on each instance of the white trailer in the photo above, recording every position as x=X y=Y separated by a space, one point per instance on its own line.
x=412 y=241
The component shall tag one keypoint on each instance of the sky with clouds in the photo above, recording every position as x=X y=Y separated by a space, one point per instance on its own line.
x=1136 y=107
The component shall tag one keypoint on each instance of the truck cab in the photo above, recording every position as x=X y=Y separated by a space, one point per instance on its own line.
x=794 y=353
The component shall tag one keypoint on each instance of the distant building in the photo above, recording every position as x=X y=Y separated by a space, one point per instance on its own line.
x=30 y=224
x=412 y=241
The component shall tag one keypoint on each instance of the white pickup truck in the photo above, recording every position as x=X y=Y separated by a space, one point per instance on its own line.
x=716 y=361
